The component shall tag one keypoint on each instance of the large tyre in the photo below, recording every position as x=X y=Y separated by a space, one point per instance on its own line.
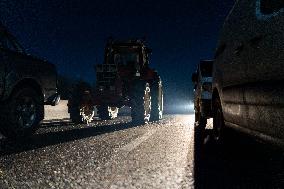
x=199 y=130
x=80 y=105
x=21 y=115
x=81 y=113
x=199 y=136
x=113 y=112
x=87 y=113
x=107 y=113
x=199 y=117
x=140 y=102
x=218 y=122
x=75 y=115
x=157 y=103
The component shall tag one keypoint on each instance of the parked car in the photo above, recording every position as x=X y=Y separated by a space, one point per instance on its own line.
x=26 y=85
x=248 y=72
x=202 y=80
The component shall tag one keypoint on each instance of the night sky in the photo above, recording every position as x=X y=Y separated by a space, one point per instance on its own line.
x=72 y=33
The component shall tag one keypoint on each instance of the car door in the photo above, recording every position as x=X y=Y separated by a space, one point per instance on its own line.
x=264 y=94
x=231 y=66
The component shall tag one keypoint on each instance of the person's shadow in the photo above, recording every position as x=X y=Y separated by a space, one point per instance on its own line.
x=240 y=163
x=51 y=138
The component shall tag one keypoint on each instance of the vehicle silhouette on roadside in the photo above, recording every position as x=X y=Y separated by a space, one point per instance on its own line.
x=26 y=85
x=124 y=79
x=202 y=80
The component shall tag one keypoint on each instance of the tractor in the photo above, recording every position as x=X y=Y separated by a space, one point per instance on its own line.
x=125 y=79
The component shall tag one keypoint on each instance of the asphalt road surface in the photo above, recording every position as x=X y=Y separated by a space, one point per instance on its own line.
x=118 y=154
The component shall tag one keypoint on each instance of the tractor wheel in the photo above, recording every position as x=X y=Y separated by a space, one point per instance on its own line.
x=197 y=114
x=199 y=129
x=219 y=130
x=156 y=101
x=87 y=113
x=81 y=113
x=140 y=102
x=80 y=105
x=199 y=132
x=103 y=112
x=113 y=112
x=22 y=114
x=75 y=114
x=107 y=113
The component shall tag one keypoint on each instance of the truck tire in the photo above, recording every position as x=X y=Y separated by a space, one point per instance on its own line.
x=199 y=129
x=200 y=119
x=75 y=114
x=80 y=105
x=107 y=113
x=113 y=112
x=218 y=122
x=199 y=134
x=87 y=112
x=156 y=101
x=21 y=115
x=140 y=102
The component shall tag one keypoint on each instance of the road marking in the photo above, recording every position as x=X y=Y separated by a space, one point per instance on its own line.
x=133 y=144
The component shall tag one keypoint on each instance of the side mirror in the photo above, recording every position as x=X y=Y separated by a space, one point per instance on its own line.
x=194 y=77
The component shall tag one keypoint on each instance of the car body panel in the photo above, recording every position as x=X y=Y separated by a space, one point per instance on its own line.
x=249 y=72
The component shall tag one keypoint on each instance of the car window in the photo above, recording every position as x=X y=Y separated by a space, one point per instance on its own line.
x=271 y=6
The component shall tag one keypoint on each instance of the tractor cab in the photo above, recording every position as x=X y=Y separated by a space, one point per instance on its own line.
x=131 y=54
x=123 y=62
x=127 y=58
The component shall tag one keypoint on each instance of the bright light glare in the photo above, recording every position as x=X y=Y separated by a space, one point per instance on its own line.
x=188 y=119
x=181 y=107
x=190 y=107
x=186 y=107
